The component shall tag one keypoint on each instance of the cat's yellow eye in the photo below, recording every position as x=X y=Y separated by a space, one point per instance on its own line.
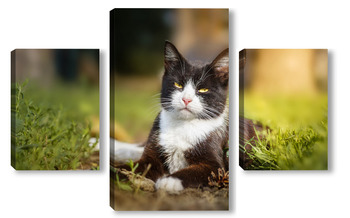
x=203 y=90
x=177 y=85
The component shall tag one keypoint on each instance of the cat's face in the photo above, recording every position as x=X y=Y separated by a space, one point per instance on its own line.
x=193 y=91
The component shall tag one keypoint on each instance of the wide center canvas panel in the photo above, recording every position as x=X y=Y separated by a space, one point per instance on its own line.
x=169 y=73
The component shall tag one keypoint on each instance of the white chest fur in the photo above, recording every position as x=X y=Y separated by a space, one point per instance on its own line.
x=176 y=136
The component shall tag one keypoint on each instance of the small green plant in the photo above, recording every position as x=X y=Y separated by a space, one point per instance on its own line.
x=134 y=180
x=126 y=185
x=43 y=137
x=132 y=166
x=226 y=151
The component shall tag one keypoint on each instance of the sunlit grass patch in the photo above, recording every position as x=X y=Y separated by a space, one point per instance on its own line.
x=299 y=136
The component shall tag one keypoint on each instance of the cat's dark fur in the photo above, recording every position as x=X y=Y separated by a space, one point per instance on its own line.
x=199 y=153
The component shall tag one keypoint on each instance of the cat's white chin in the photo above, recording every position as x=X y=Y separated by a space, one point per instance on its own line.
x=186 y=114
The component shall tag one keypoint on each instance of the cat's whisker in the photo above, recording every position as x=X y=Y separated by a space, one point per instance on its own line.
x=155 y=107
x=156 y=95
x=154 y=113
x=212 y=110
x=206 y=116
x=209 y=114
x=155 y=99
x=166 y=99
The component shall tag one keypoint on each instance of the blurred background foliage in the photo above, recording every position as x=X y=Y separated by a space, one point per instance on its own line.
x=55 y=108
x=286 y=89
x=138 y=47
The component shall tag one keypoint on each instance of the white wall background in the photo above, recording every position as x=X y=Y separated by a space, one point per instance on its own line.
x=254 y=24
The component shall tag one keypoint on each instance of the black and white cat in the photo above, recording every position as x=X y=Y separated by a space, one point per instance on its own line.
x=189 y=134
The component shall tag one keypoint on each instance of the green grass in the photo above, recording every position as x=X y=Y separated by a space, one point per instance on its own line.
x=49 y=127
x=299 y=136
x=126 y=185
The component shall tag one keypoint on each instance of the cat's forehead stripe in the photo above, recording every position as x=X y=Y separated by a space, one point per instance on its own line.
x=189 y=89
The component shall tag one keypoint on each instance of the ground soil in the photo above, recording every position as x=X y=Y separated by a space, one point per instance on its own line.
x=188 y=199
x=93 y=162
x=148 y=199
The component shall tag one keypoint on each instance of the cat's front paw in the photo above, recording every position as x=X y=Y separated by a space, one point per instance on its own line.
x=170 y=184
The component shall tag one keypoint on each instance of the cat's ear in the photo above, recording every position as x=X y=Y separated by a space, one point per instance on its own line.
x=220 y=66
x=172 y=56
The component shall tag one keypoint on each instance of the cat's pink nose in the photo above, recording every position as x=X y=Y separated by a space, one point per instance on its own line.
x=186 y=101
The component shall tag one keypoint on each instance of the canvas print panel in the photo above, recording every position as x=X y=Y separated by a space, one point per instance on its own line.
x=283 y=122
x=55 y=109
x=169 y=109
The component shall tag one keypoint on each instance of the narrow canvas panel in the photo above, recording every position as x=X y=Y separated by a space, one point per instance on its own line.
x=283 y=123
x=55 y=109
x=169 y=109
